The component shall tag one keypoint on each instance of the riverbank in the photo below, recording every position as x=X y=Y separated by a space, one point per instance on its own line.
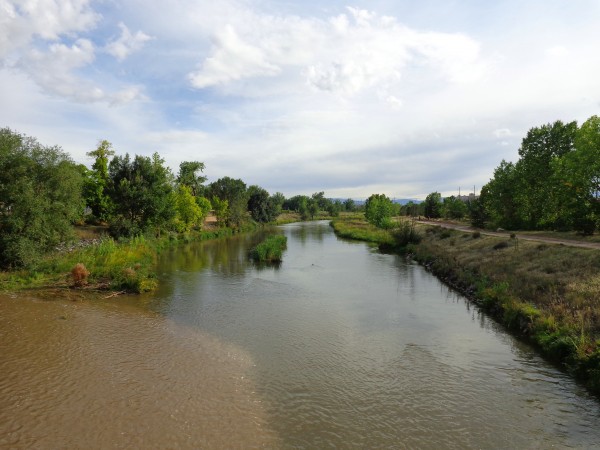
x=548 y=293
x=105 y=264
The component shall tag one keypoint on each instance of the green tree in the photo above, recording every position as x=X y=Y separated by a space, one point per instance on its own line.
x=334 y=208
x=221 y=208
x=96 y=183
x=534 y=173
x=378 y=210
x=578 y=176
x=189 y=213
x=189 y=175
x=433 y=205
x=141 y=191
x=453 y=208
x=40 y=197
x=349 y=205
x=236 y=194
x=501 y=199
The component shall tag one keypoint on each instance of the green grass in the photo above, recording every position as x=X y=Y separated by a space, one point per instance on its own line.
x=270 y=250
x=126 y=265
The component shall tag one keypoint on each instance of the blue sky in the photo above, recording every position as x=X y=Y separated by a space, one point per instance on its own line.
x=395 y=97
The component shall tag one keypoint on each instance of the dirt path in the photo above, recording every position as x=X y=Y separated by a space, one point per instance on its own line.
x=548 y=240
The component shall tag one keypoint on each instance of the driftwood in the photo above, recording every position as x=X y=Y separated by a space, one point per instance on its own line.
x=114 y=294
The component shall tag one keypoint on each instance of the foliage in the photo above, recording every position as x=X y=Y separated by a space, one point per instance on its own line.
x=270 y=250
x=349 y=205
x=188 y=212
x=95 y=188
x=189 y=176
x=262 y=207
x=235 y=193
x=432 y=206
x=454 y=208
x=378 y=210
x=406 y=233
x=221 y=208
x=141 y=191
x=40 y=197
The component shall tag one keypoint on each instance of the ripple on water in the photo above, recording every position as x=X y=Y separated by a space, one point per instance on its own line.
x=82 y=376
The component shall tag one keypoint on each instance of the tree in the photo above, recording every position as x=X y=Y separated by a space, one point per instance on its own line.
x=141 y=192
x=454 y=208
x=189 y=213
x=261 y=207
x=235 y=192
x=501 y=198
x=40 y=197
x=378 y=210
x=221 y=208
x=96 y=183
x=349 y=205
x=534 y=172
x=433 y=205
x=334 y=208
x=189 y=175
x=578 y=176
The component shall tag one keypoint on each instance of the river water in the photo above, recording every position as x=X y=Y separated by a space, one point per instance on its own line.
x=338 y=347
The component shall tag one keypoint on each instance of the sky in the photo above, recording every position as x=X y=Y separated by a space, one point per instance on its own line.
x=384 y=96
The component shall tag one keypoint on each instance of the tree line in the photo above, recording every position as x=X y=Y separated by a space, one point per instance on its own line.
x=554 y=185
x=43 y=192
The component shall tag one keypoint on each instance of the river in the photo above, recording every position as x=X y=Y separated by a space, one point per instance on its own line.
x=339 y=346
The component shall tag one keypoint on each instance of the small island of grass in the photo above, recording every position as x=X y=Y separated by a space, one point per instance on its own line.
x=270 y=250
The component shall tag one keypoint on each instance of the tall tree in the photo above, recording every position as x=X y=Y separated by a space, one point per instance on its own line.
x=433 y=205
x=96 y=183
x=534 y=172
x=189 y=175
x=141 y=192
x=236 y=194
x=578 y=176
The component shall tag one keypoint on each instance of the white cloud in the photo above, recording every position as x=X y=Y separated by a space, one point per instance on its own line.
x=127 y=43
x=22 y=20
x=345 y=54
x=232 y=59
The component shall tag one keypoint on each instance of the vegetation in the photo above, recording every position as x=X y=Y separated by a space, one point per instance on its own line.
x=378 y=211
x=40 y=198
x=554 y=185
x=270 y=250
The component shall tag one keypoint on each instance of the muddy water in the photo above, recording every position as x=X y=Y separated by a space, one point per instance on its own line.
x=81 y=375
x=338 y=347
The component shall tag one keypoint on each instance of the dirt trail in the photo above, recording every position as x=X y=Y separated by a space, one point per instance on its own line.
x=525 y=237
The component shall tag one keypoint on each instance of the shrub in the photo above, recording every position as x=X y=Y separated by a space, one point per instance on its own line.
x=406 y=234
x=500 y=245
x=476 y=235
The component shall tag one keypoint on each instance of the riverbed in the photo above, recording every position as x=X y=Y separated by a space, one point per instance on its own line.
x=339 y=346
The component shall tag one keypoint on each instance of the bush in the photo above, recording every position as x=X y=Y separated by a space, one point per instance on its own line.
x=270 y=250
x=406 y=234
x=476 y=235
x=500 y=245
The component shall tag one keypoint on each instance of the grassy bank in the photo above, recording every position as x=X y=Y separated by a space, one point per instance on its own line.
x=548 y=293
x=106 y=264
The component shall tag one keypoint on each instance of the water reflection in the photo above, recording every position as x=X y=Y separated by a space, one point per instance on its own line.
x=339 y=347
x=356 y=349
